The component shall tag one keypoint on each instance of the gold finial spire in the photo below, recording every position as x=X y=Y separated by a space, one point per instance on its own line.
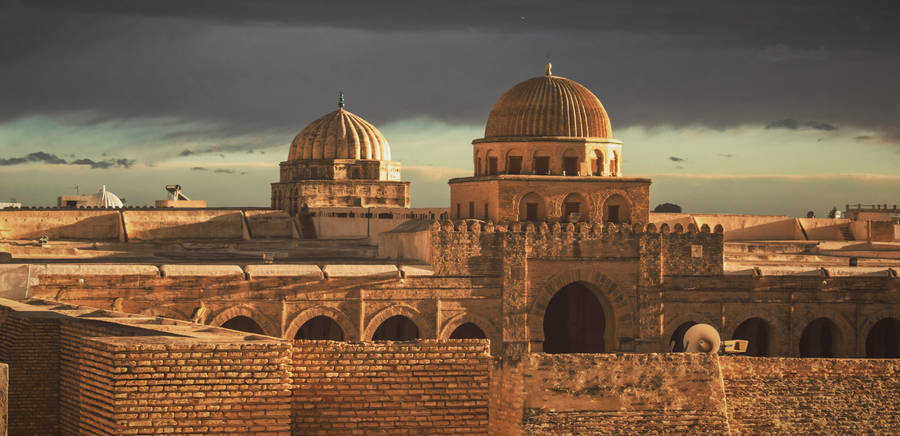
x=341 y=100
x=549 y=66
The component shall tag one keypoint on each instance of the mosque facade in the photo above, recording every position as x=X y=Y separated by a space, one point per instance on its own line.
x=548 y=251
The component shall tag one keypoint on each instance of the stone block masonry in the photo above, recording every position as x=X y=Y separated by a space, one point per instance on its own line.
x=416 y=388
x=812 y=396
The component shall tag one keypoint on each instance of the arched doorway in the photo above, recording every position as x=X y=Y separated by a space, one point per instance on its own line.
x=243 y=324
x=531 y=208
x=320 y=328
x=883 y=340
x=396 y=328
x=819 y=339
x=616 y=210
x=575 y=208
x=597 y=163
x=574 y=322
x=468 y=331
x=756 y=332
x=676 y=342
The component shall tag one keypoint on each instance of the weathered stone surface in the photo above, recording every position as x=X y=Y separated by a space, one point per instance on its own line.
x=387 y=271
x=257 y=271
x=201 y=270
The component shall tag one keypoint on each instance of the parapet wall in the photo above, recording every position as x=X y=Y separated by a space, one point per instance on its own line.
x=609 y=394
x=812 y=396
x=471 y=247
x=98 y=225
x=146 y=224
x=83 y=371
x=421 y=387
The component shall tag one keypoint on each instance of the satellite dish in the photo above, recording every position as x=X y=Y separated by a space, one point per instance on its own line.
x=702 y=338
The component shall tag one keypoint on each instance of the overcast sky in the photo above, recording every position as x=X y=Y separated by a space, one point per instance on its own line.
x=730 y=106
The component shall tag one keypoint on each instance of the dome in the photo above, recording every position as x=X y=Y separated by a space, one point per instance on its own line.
x=104 y=198
x=548 y=106
x=340 y=135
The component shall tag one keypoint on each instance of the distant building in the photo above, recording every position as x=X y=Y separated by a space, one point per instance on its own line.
x=178 y=199
x=103 y=198
x=4 y=205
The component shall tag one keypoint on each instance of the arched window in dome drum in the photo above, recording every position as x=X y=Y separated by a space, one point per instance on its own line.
x=513 y=163
x=614 y=164
x=491 y=162
x=597 y=163
x=541 y=164
x=570 y=163
x=478 y=171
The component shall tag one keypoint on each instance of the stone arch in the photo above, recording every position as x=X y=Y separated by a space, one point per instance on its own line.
x=541 y=162
x=820 y=337
x=165 y=312
x=597 y=162
x=615 y=163
x=867 y=320
x=758 y=346
x=883 y=339
x=571 y=161
x=618 y=306
x=578 y=204
x=844 y=345
x=599 y=200
x=350 y=333
x=489 y=329
x=521 y=205
x=676 y=339
x=477 y=163
x=491 y=167
x=269 y=328
x=426 y=330
x=617 y=209
x=513 y=162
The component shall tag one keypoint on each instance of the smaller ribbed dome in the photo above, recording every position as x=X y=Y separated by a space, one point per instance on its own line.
x=548 y=106
x=340 y=135
x=104 y=198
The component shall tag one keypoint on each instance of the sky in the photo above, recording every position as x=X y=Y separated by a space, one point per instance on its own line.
x=763 y=107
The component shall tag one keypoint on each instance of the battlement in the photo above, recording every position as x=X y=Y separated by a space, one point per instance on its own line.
x=546 y=229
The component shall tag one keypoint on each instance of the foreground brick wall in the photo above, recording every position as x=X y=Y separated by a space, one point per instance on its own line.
x=30 y=346
x=423 y=387
x=812 y=396
x=619 y=394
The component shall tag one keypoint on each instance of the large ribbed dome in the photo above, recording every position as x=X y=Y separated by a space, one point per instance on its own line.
x=548 y=106
x=340 y=135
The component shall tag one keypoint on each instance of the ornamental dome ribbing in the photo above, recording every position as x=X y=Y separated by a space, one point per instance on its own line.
x=548 y=106
x=340 y=135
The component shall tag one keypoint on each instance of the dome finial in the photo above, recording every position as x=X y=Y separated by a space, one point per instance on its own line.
x=341 y=100
x=549 y=66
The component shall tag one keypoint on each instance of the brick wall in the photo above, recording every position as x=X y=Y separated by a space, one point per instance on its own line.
x=30 y=346
x=812 y=396
x=78 y=371
x=422 y=387
x=692 y=252
x=622 y=394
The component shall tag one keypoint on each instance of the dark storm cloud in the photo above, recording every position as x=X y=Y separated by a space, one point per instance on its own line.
x=236 y=67
x=199 y=169
x=224 y=171
x=49 y=158
x=676 y=159
x=792 y=124
x=726 y=155
x=862 y=137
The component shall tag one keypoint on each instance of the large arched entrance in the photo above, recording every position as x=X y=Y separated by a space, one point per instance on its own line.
x=574 y=322
x=756 y=332
x=819 y=339
x=320 y=328
x=396 y=328
x=468 y=330
x=883 y=340
x=676 y=342
x=243 y=324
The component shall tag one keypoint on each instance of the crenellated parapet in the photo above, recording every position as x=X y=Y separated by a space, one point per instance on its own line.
x=459 y=245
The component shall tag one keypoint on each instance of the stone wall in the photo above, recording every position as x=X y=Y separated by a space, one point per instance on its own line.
x=422 y=387
x=151 y=225
x=610 y=394
x=98 y=225
x=812 y=396
x=4 y=403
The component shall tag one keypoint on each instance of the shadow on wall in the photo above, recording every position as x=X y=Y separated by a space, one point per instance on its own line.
x=60 y=224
